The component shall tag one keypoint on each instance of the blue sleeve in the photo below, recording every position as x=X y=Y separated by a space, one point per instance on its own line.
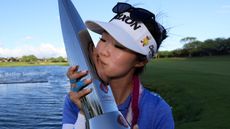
x=154 y=112
x=70 y=111
x=164 y=117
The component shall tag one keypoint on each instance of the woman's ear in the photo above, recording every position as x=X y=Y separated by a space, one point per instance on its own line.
x=141 y=63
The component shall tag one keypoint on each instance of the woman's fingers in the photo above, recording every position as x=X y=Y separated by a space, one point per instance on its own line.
x=84 y=92
x=75 y=87
x=76 y=96
x=135 y=127
x=77 y=91
x=71 y=70
x=78 y=75
x=73 y=74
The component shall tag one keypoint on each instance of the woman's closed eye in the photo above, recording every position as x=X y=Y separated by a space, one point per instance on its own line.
x=115 y=45
x=103 y=40
x=119 y=46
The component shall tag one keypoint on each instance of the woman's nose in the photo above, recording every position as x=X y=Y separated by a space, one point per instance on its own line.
x=103 y=49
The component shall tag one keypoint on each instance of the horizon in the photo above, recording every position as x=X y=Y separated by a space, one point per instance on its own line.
x=26 y=29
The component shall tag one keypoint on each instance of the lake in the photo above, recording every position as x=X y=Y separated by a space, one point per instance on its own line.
x=32 y=97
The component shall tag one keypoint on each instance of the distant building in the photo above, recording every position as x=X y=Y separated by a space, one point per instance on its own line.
x=2 y=59
x=10 y=59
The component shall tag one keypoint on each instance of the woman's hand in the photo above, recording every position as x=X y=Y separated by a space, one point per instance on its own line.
x=135 y=127
x=76 y=85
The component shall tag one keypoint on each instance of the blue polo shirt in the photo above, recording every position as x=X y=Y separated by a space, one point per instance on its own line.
x=154 y=112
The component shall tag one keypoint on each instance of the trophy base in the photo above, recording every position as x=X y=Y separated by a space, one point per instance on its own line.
x=110 y=120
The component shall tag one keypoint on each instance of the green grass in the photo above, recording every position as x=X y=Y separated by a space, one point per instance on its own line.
x=198 y=89
x=15 y=64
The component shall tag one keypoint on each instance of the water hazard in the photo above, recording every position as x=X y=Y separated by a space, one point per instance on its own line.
x=32 y=97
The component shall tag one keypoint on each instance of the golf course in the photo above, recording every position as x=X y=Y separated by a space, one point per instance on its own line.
x=197 y=89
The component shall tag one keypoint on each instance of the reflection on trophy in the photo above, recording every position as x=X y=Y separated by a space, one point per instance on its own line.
x=99 y=107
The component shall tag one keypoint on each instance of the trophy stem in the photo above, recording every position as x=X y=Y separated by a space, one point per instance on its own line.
x=99 y=106
x=89 y=110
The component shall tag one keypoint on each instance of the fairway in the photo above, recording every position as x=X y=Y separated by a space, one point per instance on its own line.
x=198 y=89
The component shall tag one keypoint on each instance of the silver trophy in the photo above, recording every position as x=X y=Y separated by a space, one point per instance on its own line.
x=99 y=106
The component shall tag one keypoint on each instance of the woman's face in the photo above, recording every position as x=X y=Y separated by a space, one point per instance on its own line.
x=113 y=60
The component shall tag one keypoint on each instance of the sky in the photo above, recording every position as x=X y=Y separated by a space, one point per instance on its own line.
x=33 y=26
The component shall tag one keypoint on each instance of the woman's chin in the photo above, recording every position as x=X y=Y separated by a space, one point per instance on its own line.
x=103 y=78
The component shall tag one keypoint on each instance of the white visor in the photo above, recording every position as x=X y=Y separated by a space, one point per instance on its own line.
x=128 y=32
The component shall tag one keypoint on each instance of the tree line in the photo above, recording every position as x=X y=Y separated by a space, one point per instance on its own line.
x=33 y=59
x=195 y=48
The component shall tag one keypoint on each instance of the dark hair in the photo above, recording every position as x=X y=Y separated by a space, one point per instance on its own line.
x=159 y=33
x=157 y=30
x=140 y=58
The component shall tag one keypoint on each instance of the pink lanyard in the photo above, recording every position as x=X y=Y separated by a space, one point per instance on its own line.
x=133 y=110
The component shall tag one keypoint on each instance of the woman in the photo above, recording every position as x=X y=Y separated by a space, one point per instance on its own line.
x=128 y=41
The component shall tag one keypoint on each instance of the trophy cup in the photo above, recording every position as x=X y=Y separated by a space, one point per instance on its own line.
x=99 y=106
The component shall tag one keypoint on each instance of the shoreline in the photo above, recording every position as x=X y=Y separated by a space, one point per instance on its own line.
x=19 y=64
